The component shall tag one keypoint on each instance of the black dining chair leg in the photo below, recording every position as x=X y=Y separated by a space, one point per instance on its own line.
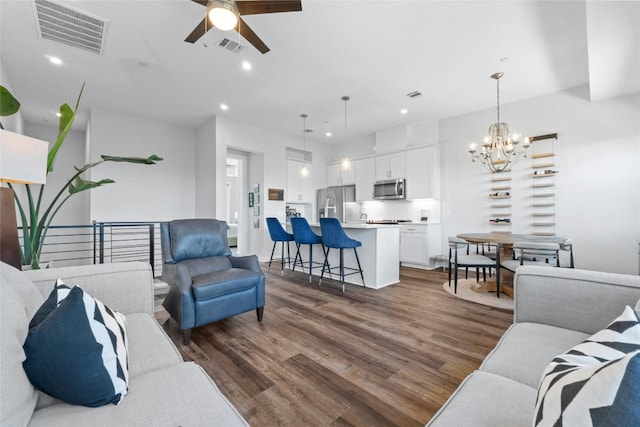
x=455 y=278
x=359 y=267
x=282 y=261
x=326 y=263
x=342 y=268
x=272 y=252
x=310 y=261
x=449 y=268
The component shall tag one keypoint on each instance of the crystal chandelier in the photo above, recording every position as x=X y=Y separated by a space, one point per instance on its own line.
x=500 y=149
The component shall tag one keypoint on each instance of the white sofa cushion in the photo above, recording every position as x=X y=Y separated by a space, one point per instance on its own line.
x=533 y=344
x=487 y=400
x=20 y=300
x=181 y=395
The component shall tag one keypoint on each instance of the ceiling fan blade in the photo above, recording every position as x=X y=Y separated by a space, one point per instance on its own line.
x=199 y=30
x=205 y=3
x=251 y=37
x=251 y=7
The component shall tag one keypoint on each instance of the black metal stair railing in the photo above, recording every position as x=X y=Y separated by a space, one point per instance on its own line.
x=103 y=242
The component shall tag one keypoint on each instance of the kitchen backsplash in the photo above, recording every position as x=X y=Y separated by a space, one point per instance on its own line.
x=400 y=209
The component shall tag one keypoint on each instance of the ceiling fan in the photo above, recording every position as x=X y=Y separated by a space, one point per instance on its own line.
x=226 y=15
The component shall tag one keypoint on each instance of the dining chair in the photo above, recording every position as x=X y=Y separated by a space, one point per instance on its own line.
x=566 y=254
x=334 y=237
x=477 y=261
x=543 y=254
x=279 y=234
x=304 y=235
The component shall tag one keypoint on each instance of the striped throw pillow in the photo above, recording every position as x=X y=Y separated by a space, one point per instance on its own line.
x=76 y=349
x=595 y=383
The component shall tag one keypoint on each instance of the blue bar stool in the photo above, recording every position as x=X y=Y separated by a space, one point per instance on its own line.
x=304 y=235
x=279 y=234
x=333 y=236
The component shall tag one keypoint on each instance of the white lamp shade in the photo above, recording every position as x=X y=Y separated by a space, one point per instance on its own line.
x=23 y=159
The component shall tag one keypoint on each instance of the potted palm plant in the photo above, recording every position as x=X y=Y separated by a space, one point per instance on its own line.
x=35 y=216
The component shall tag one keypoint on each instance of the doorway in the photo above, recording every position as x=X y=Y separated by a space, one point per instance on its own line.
x=236 y=206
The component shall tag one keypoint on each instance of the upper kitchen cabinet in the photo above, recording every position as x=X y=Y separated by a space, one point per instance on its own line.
x=423 y=173
x=365 y=177
x=336 y=175
x=299 y=187
x=390 y=166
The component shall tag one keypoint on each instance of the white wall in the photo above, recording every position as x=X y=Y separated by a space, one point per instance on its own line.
x=141 y=192
x=206 y=166
x=597 y=190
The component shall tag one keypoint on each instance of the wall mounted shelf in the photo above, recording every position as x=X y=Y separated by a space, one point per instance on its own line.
x=543 y=165
x=543 y=157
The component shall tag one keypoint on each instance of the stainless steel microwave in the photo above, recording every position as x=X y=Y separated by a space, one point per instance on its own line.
x=390 y=189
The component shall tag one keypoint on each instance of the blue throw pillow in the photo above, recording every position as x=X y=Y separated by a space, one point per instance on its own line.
x=60 y=292
x=76 y=349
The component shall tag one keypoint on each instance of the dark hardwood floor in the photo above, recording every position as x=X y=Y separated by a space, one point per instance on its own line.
x=369 y=357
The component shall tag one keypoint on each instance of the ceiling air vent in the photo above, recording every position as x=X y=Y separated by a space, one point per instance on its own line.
x=70 y=26
x=230 y=45
x=414 y=94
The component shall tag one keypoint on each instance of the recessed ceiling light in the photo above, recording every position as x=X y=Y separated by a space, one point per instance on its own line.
x=224 y=107
x=58 y=114
x=246 y=65
x=328 y=134
x=404 y=111
x=54 y=59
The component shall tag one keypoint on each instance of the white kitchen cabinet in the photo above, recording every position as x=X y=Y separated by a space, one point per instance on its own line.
x=299 y=188
x=336 y=175
x=390 y=166
x=419 y=244
x=423 y=173
x=365 y=177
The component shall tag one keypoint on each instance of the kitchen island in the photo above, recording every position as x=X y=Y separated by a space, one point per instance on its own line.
x=379 y=254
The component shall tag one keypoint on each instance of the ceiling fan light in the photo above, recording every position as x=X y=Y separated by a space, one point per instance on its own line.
x=223 y=15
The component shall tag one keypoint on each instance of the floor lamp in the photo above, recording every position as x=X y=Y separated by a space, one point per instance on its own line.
x=23 y=160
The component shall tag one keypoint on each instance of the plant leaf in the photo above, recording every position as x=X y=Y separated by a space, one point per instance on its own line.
x=66 y=120
x=82 y=185
x=8 y=104
x=151 y=160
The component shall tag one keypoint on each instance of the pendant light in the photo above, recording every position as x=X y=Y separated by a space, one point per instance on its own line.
x=345 y=162
x=304 y=171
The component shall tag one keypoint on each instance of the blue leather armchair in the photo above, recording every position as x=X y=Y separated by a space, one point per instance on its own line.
x=206 y=283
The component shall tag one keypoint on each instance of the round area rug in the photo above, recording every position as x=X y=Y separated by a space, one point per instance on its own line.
x=466 y=292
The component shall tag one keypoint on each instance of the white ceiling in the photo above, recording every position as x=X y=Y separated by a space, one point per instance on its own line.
x=374 y=51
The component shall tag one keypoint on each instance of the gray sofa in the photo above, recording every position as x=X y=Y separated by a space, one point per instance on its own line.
x=555 y=309
x=163 y=389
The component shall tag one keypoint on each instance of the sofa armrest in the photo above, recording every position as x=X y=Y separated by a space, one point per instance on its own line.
x=126 y=287
x=579 y=300
x=249 y=262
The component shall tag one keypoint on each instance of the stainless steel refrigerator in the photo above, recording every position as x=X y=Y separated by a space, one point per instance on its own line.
x=338 y=202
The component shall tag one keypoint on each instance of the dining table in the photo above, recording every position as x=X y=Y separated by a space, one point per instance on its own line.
x=504 y=240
